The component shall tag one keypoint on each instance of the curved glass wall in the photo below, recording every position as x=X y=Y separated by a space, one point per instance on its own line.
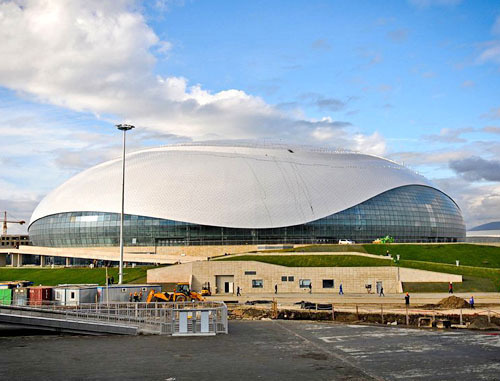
x=412 y=213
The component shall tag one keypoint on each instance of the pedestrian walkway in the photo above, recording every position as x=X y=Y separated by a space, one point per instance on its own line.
x=186 y=318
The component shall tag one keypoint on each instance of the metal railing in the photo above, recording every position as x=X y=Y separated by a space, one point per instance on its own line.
x=175 y=318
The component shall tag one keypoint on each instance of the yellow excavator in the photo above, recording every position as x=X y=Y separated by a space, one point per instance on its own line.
x=182 y=293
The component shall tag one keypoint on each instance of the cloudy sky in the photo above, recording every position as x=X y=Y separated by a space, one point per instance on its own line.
x=416 y=81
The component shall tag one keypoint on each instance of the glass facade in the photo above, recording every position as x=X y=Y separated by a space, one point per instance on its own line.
x=411 y=213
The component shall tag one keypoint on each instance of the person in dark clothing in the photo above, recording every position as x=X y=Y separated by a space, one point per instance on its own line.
x=471 y=302
x=407 y=299
x=381 y=291
x=310 y=288
x=275 y=288
x=341 y=289
x=238 y=293
x=450 y=288
x=112 y=279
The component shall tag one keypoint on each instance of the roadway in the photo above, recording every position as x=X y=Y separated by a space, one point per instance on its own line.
x=265 y=350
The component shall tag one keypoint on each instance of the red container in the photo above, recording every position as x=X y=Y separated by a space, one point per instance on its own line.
x=40 y=295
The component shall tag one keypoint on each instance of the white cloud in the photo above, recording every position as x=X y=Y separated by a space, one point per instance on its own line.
x=374 y=143
x=97 y=56
x=479 y=203
x=491 y=53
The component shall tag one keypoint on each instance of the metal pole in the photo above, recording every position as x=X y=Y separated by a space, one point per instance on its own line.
x=124 y=128
x=107 y=288
x=120 y=273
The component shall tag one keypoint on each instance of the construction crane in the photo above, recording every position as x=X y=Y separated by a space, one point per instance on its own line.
x=5 y=222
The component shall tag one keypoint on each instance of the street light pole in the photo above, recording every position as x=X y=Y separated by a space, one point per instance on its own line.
x=124 y=128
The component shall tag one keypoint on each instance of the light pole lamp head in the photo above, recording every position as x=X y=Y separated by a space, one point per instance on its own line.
x=124 y=127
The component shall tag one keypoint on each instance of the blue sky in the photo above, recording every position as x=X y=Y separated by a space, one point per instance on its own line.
x=415 y=81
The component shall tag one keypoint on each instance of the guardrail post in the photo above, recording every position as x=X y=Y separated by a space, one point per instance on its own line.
x=333 y=312
x=461 y=317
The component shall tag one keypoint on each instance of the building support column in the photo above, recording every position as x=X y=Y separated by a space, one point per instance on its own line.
x=68 y=261
x=3 y=260
x=17 y=260
x=42 y=260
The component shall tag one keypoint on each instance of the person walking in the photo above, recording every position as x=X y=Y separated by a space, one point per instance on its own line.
x=310 y=288
x=341 y=290
x=471 y=302
x=238 y=293
x=381 y=291
x=407 y=299
x=275 y=289
x=450 y=288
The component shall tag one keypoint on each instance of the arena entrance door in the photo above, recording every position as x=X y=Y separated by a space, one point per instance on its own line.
x=225 y=284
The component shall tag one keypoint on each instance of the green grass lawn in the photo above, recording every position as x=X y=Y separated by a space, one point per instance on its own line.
x=467 y=254
x=469 y=284
x=312 y=260
x=325 y=248
x=475 y=279
x=52 y=277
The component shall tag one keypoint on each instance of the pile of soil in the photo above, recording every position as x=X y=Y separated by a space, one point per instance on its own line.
x=481 y=322
x=453 y=302
x=249 y=313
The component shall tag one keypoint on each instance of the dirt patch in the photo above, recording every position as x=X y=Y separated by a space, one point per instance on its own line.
x=314 y=356
x=481 y=322
x=453 y=302
x=249 y=313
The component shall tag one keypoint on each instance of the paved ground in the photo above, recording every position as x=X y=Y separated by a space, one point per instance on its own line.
x=267 y=350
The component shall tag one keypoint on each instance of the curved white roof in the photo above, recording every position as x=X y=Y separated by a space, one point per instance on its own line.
x=236 y=185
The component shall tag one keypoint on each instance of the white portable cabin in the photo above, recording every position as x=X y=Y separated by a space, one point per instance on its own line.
x=75 y=294
x=121 y=292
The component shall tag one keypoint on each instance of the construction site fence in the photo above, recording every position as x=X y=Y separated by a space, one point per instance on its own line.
x=383 y=313
x=174 y=318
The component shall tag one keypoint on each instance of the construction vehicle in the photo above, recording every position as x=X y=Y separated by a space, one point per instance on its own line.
x=386 y=239
x=5 y=222
x=205 y=289
x=182 y=293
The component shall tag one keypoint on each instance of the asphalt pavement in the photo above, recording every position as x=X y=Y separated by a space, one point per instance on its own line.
x=253 y=350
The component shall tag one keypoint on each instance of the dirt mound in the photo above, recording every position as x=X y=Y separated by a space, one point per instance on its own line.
x=481 y=322
x=249 y=313
x=453 y=302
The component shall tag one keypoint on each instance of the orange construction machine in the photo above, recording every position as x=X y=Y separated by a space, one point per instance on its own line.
x=182 y=293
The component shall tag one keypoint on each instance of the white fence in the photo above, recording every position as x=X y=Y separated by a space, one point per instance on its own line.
x=186 y=318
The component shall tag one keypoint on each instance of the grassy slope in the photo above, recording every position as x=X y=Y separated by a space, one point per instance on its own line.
x=50 y=277
x=312 y=260
x=326 y=248
x=468 y=255
x=474 y=278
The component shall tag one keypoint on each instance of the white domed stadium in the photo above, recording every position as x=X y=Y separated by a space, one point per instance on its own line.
x=237 y=194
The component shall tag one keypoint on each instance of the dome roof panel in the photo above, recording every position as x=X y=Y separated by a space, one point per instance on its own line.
x=231 y=185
